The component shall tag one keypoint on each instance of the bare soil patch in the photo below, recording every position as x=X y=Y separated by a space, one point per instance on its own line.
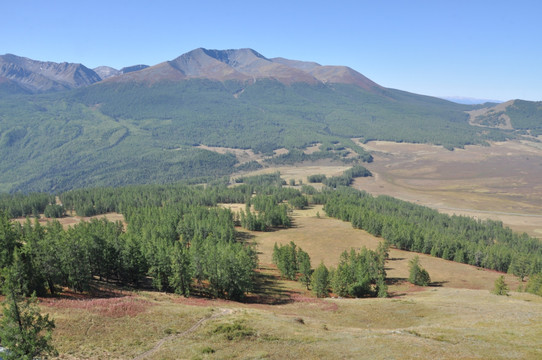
x=243 y=155
x=312 y=149
x=505 y=122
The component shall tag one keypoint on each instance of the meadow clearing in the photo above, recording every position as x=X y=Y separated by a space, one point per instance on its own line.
x=500 y=182
x=455 y=318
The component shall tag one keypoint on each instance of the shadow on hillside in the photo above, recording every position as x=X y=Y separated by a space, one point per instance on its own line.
x=245 y=237
x=395 y=280
x=268 y=290
x=98 y=290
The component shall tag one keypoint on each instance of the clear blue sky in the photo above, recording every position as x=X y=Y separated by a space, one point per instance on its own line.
x=482 y=49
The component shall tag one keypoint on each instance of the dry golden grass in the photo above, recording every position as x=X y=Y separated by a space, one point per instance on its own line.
x=74 y=220
x=324 y=239
x=297 y=173
x=499 y=182
x=86 y=334
x=458 y=318
x=437 y=323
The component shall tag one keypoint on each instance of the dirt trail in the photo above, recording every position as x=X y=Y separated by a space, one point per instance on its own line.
x=184 y=333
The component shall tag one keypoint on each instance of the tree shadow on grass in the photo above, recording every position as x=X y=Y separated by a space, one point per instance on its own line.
x=245 y=238
x=395 y=281
x=268 y=290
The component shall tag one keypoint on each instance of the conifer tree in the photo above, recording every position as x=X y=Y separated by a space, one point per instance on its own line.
x=304 y=263
x=23 y=330
x=500 y=287
x=320 y=281
x=418 y=275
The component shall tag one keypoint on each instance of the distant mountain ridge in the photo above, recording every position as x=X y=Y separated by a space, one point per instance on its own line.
x=39 y=76
x=221 y=65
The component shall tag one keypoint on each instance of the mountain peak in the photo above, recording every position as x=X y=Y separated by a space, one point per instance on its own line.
x=232 y=64
x=234 y=57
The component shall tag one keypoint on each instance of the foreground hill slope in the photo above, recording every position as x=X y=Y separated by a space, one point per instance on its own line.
x=142 y=125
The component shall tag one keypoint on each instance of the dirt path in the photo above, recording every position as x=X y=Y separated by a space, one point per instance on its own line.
x=193 y=328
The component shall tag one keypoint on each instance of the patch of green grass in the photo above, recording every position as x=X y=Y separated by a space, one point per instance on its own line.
x=207 y=350
x=234 y=331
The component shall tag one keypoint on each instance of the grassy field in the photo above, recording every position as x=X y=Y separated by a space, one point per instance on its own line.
x=73 y=220
x=501 y=182
x=457 y=318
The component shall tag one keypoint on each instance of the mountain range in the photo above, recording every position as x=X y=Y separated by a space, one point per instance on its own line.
x=242 y=65
x=64 y=125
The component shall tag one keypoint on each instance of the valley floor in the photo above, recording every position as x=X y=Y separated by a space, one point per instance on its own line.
x=500 y=182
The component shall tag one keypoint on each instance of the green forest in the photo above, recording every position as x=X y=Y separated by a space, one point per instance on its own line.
x=178 y=237
x=115 y=134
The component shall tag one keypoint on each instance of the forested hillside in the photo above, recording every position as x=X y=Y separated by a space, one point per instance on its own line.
x=112 y=134
x=179 y=236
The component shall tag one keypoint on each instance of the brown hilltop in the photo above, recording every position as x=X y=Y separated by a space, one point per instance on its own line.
x=245 y=65
x=343 y=75
x=219 y=65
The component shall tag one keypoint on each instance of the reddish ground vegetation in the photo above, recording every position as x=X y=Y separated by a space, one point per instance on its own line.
x=322 y=304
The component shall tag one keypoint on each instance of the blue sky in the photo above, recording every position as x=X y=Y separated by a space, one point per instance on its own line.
x=482 y=49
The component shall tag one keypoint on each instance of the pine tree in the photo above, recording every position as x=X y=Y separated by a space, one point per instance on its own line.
x=418 y=275
x=500 y=287
x=320 y=281
x=181 y=277
x=304 y=263
x=23 y=330
x=520 y=266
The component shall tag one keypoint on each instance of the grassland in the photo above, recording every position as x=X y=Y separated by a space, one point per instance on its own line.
x=440 y=323
x=501 y=182
x=456 y=318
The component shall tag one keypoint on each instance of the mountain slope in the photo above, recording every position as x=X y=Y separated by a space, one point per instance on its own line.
x=248 y=65
x=105 y=72
x=525 y=116
x=38 y=76
x=143 y=126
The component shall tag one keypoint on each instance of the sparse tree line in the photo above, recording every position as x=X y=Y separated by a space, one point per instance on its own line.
x=270 y=212
x=173 y=230
x=343 y=180
x=358 y=274
x=417 y=228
